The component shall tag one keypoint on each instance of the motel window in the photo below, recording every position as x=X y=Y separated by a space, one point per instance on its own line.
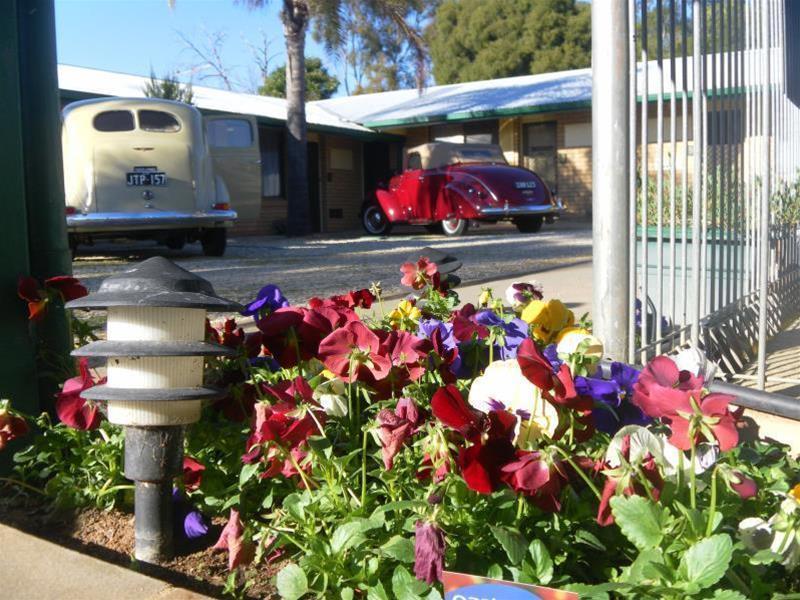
x=229 y=133
x=414 y=162
x=539 y=141
x=471 y=132
x=270 y=146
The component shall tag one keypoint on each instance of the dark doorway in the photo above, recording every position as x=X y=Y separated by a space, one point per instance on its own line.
x=315 y=211
x=377 y=168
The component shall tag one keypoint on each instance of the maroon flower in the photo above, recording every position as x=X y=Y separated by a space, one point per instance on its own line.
x=555 y=382
x=417 y=275
x=240 y=550
x=280 y=330
x=743 y=485
x=465 y=328
x=407 y=354
x=532 y=475
x=238 y=404
x=481 y=464
x=353 y=299
x=429 y=548
x=353 y=353
x=74 y=410
x=192 y=473
x=448 y=405
x=12 y=425
x=63 y=286
x=395 y=427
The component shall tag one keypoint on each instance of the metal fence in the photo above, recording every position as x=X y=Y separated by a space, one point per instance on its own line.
x=709 y=156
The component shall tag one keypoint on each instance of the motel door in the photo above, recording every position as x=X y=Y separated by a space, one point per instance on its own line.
x=539 y=150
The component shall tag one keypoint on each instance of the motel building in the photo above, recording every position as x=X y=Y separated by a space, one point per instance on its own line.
x=542 y=122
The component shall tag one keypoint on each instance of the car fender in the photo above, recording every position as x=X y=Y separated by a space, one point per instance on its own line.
x=390 y=204
x=221 y=191
x=454 y=201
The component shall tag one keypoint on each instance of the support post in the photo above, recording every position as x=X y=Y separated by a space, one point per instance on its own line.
x=766 y=187
x=153 y=457
x=610 y=176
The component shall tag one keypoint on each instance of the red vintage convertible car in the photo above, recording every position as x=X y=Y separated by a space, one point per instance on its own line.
x=444 y=186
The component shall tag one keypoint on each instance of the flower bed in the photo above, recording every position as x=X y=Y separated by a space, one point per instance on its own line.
x=363 y=448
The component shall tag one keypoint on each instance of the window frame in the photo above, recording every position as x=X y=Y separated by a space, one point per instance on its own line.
x=116 y=110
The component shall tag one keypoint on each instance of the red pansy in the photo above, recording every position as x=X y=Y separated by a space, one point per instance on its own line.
x=192 y=473
x=417 y=275
x=12 y=425
x=240 y=550
x=534 y=476
x=74 y=410
x=353 y=352
x=395 y=427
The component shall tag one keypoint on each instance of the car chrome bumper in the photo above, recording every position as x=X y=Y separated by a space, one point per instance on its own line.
x=519 y=211
x=121 y=221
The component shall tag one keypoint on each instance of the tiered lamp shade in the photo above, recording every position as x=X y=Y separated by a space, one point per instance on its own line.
x=155 y=343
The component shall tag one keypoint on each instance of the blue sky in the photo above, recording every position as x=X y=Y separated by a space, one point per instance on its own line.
x=131 y=36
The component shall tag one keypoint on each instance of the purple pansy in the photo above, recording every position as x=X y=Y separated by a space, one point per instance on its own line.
x=428 y=326
x=188 y=521
x=551 y=354
x=613 y=408
x=268 y=299
x=513 y=332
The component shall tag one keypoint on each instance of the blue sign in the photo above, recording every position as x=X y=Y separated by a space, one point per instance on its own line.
x=490 y=591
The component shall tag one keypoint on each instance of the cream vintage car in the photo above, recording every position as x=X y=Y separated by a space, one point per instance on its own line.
x=147 y=168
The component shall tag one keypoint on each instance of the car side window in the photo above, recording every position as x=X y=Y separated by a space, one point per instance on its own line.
x=414 y=162
x=229 y=133
x=114 y=120
x=158 y=120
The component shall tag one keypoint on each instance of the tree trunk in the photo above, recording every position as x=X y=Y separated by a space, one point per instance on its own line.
x=295 y=22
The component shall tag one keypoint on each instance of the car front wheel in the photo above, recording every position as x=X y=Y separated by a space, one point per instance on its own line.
x=528 y=224
x=214 y=242
x=455 y=227
x=374 y=220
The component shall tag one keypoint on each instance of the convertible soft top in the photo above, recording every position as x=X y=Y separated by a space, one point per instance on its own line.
x=440 y=154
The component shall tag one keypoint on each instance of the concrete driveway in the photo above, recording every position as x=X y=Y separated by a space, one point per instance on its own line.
x=329 y=264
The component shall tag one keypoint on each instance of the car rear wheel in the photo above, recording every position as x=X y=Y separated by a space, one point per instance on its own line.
x=529 y=224
x=374 y=220
x=214 y=242
x=176 y=241
x=455 y=227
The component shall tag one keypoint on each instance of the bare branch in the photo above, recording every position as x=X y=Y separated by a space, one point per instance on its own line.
x=209 y=53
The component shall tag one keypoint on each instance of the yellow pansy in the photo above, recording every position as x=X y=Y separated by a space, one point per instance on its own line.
x=548 y=318
x=795 y=492
x=406 y=315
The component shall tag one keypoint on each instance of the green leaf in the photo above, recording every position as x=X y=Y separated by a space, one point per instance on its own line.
x=640 y=520
x=347 y=593
x=405 y=586
x=351 y=533
x=399 y=548
x=295 y=505
x=376 y=592
x=728 y=595
x=247 y=472
x=542 y=562
x=512 y=541
x=591 y=540
x=291 y=582
x=641 y=570
x=705 y=562
x=495 y=571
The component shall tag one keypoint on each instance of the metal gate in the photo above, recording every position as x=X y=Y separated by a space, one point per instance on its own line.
x=696 y=160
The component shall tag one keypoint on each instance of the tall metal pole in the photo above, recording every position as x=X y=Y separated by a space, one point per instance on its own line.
x=610 y=199
x=698 y=92
x=763 y=259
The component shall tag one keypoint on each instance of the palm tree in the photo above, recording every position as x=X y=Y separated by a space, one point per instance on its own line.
x=296 y=16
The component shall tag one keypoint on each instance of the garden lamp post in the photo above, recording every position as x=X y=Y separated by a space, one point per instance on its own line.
x=155 y=348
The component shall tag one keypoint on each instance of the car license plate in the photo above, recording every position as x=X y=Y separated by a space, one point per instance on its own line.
x=154 y=178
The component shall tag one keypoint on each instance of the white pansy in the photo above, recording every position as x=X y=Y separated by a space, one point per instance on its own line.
x=571 y=338
x=641 y=441
x=503 y=386
x=694 y=360
x=756 y=534
x=511 y=292
x=675 y=459
x=331 y=395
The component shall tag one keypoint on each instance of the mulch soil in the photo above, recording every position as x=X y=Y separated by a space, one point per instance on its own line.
x=108 y=535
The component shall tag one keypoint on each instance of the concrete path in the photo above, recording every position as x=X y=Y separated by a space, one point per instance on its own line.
x=35 y=569
x=783 y=363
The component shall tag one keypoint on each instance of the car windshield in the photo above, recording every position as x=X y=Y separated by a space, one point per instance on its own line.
x=476 y=155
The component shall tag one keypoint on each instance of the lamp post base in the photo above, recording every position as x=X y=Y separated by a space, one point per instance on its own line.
x=153 y=457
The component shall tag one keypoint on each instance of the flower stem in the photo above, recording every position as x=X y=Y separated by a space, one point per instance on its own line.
x=364 y=470
x=712 y=508
x=692 y=475
x=520 y=506
x=23 y=485
x=299 y=470
x=580 y=472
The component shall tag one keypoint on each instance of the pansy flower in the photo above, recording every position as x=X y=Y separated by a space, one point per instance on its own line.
x=520 y=293
x=407 y=354
x=73 y=410
x=241 y=550
x=62 y=286
x=429 y=550
x=12 y=425
x=418 y=274
x=269 y=299
x=547 y=318
x=405 y=316
x=396 y=426
x=508 y=335
x=192 y=473
x=535 y=476
x=556 y=384
x=613 y=398
x=353 y=352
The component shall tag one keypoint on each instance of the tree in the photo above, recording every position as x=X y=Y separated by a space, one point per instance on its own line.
x=320 y=84
x=327 y=16
x=485 y=39
x=168 y=88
